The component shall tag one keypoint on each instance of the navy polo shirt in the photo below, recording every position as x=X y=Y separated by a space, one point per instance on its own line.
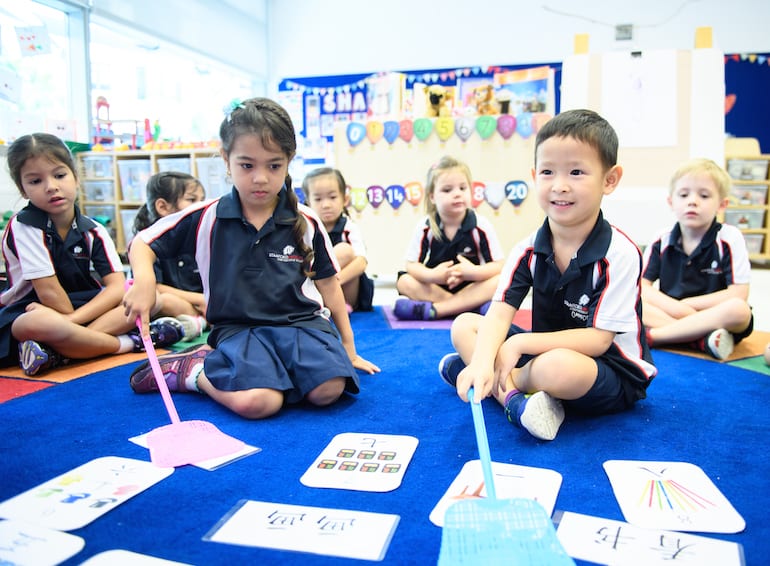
x=34 y=249
x=719 y=260
x=475 y=240
x=250 y=277
x=600 y=288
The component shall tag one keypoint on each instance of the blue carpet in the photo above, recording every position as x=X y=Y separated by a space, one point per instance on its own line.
x=708 y=414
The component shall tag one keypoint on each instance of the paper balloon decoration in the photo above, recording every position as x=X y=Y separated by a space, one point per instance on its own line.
x=375 y=195
x=391 y=131
x=395 y=195
x=516 y=192
x=477 y=193
x=539 y=119
x=524 y=124
x=422 y=128
x=495 y=194
x=356 y=133
x=374 y=130
x=485 y=126
x=358 y=198
x=506 y=125
x=406 y=130
x=414 y=192
x=445 y=127
x=464 y=128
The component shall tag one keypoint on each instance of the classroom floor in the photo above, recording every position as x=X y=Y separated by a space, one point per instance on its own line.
x=385 y=294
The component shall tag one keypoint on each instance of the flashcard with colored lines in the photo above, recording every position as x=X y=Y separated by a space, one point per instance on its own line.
x=674 y=496
x=362 y=462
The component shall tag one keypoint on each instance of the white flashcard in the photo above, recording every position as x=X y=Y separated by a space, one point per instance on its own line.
x=511 y=481
x=604 y=541
x=674 y=496
x=212 y=463
x=362 y=462
x=315 y=530
x=25 y=543
x=128 y=558
x=74 y=499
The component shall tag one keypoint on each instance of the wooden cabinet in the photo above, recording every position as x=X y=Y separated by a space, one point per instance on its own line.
x=748 y=208
x=113 y=184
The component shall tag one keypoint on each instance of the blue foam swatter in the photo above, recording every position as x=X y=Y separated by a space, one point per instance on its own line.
x=498 y=531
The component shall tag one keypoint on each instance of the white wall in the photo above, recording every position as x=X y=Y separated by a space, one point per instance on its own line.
x=312 y=38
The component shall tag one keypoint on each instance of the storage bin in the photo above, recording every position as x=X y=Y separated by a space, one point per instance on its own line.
x=181 y=164
x=97 y=166
x=104 y=215
x=749 y=194
x=99 y=190
x=747 y=169
x=127 y=216
x=745 y=218
x=134 y=174
x=213 y=176
x=754 y=243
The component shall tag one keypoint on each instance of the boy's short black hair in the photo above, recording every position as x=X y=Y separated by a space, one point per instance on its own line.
x=586 y=126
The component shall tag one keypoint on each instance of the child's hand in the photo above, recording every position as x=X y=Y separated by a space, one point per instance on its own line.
x=442 y=273
x=138 y=302
x=364 y=365
x=481 y=379
x=507 y=357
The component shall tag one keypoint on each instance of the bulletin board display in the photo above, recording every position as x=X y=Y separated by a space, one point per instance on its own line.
x=371 y=168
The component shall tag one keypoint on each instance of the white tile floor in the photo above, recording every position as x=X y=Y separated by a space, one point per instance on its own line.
x=385 y=294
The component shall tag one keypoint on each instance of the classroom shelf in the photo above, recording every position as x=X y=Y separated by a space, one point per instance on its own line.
x=748 y=208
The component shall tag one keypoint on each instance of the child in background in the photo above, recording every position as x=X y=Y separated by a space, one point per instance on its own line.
x=455 y=258
x=53 y=308
x=587 y=347
x=702 y=268
x=269 y=277
x=325 y=190
x=179 y=283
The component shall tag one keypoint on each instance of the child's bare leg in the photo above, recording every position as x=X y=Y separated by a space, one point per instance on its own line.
x=174 y=305
x=250 y=403
x=327 y=393
x=467 y=299
x=562 y=373
x=733 y=315
x=465 y=328
x=67 y=338
x=408 y=286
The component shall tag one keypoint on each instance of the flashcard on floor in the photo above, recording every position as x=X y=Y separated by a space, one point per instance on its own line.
x=118 y=557
x=511 y=481
x=212 y=463
x=316 y=530
x=25 y=543
x=74 y=499
x=603 y=541
x=362 y=462
x=675 y=496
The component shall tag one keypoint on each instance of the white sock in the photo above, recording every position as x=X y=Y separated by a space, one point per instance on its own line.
x=191 y=381
x=126 y=344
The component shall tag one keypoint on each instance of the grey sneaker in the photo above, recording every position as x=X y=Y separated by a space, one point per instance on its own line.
x=541 y=415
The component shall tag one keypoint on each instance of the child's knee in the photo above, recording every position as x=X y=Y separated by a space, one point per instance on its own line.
x=327 y=393
x=256 y=403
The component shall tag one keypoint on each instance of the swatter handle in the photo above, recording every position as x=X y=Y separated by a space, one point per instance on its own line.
x=152 y=356
x=483 y=445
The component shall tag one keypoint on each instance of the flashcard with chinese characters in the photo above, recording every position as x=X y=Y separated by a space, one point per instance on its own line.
x=511 y=481
x=675 y=496
x=74 y=499
x=25 y=543
x=603 y=541
x=316 y=530
x=362 y=462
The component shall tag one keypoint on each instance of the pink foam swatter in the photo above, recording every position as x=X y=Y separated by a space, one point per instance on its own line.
x=182 y=442
x=498 y=531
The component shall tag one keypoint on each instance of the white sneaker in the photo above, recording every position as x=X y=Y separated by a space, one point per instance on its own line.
x=720 y=344
x=541 y=415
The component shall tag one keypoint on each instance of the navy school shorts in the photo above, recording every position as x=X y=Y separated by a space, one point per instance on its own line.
x=290 y=359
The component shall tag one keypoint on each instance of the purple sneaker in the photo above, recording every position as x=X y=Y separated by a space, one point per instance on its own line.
x=407 y=309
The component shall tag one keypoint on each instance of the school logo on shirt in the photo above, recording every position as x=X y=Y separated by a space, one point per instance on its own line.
x=288 y=255
x=713 y=269
x=579 y=310
x=78 y=252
